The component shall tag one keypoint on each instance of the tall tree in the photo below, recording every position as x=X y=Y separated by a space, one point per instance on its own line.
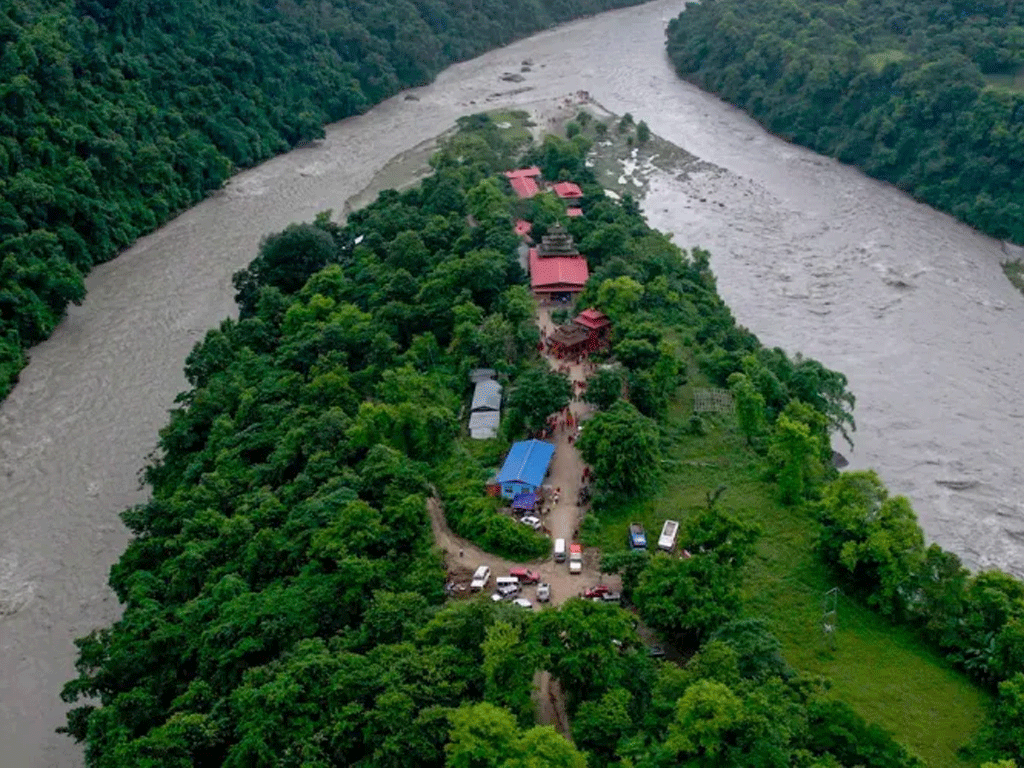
x=536 y=394
x=623 y=447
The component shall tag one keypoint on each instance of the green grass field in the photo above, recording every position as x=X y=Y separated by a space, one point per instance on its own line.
x=880 y=59
x=883 y=671
x=1014 y=82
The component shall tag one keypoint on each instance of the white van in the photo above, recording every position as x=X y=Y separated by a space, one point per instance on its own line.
x=559 y=550
x=506 y=581
x=480 y=578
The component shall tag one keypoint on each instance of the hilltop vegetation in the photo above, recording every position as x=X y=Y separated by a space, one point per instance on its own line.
x=924 y=94
x=283 y=603
x=116 y=115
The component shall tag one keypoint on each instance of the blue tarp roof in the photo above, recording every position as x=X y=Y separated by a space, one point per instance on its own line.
x=527 y=462
x=525 y=501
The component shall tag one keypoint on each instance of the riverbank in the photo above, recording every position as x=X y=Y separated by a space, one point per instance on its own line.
x=885 y=672
x=804 y=249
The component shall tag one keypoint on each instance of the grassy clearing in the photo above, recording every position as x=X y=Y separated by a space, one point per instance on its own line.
x=881 y=59
x=515 y=124
x=1009 y=82
x=1014 y=271
x=883 y=671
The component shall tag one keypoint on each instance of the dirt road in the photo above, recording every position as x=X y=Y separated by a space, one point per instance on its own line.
x=562 y=520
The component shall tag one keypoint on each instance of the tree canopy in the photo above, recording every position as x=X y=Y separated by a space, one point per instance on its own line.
x=116 y=116
x=923 y=94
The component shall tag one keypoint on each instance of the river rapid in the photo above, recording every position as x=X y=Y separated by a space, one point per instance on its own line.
x=810 y=255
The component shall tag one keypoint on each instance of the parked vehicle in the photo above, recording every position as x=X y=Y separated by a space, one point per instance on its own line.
x=522 y=602
x=507 y=581
x=611 y=597
x=505 y=591
x=543 y=592
x=669 y=531
x=637 y=536
x=559 y=550
x=575 y=558
x=656 y=652
x=598 y=590
x=532 y=521
x=480 y=578
x=525 y=575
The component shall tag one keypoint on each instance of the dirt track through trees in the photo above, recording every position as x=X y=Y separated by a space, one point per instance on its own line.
x=562 y=520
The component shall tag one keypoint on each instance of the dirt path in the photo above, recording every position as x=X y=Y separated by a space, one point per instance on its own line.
x=562 y=520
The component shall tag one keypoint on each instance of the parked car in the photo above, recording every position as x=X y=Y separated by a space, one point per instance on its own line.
x=637 y=536
x=525 y=575
x=656 y=652
x=504 y=591
x=481 y=576
x=543 y=592
x=598 y=590
x=522 y=602
x=530 y=520
x=611 y=597
x=575 y=558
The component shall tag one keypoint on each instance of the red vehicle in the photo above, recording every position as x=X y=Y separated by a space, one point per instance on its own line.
x=525 y=575
x=598 y=590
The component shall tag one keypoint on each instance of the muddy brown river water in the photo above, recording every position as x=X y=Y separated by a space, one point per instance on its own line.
x=811 y=255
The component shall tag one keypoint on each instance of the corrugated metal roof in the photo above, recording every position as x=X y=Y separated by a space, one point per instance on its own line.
x=519 y=173
x=487 y=396
x=524 y=186
x=567 y=189
x=556 y=272
x=483 y=425
x=527 y=462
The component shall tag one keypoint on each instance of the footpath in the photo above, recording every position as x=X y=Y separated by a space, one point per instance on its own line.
x=562 y=517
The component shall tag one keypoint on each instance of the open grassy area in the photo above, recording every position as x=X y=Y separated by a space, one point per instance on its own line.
x=1014 y=270
x=880 y=59
x=1008 y=82
x=883 y=671
x=515 y=124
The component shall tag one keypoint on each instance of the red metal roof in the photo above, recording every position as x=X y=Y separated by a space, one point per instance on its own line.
x=574 y=212
x=520 y=173
x=523 y=227
x=592 y=318
x=524 y=186
x=567 y=189
x=558 y=272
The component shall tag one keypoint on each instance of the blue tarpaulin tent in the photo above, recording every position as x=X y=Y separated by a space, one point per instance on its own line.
x=525 y=501
x=525 y=468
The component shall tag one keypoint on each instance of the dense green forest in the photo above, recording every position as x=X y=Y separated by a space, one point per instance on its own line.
x=117 y=114
x=925 y=94
x=283 y=603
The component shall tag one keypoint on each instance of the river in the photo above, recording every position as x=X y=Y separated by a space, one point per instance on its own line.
x=810 y=255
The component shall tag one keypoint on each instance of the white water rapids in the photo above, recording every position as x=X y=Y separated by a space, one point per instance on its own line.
x=810 y=255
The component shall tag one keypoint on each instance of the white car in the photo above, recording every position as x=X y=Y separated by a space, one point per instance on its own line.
x=543 y=592
x=530 y=520
x=522 y=602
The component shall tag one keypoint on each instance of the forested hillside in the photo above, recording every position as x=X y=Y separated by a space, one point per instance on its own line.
x=117 y=114
x=283 y=603
x=925 y=94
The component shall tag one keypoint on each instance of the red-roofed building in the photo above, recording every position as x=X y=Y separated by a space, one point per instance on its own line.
x=532 y=172
x=524 y=181
x=557 y=277
x=598 y=326
x=523 y=228
x=574 y=212
x=588 y=332
x=568 y=191
x=593 y=319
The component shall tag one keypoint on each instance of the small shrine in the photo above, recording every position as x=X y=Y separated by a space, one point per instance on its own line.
x=557 y=242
